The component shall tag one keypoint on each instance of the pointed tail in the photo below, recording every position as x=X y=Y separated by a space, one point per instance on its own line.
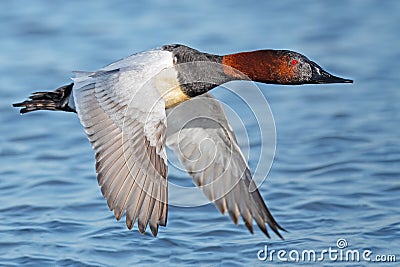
x=55 y=100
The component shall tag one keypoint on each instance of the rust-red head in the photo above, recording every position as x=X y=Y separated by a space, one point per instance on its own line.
x=278 y=67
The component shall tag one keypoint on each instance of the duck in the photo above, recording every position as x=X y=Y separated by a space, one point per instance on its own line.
x=125 y=108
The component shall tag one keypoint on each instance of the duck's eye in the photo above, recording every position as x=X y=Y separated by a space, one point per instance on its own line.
x=294 y=62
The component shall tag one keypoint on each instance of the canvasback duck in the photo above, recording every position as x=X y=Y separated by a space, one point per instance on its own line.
x=123 y=108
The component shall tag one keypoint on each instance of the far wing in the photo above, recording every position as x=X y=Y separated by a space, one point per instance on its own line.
x=199 y=133
x=127 y=132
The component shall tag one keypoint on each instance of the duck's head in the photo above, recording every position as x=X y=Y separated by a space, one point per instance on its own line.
x=279 y=67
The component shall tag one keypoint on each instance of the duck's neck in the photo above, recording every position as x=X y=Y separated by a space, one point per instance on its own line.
x=200 y=72
x=212 y=70
x=260 y=66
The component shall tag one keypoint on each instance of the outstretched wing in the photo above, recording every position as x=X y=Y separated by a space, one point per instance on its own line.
x=124 y=117
x=198 y=131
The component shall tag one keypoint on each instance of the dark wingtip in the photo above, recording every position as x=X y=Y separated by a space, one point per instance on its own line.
x=265 y=231
x=279 y=234
x=154 y=229
x=280 y=227
x=249 y=226
x=276 y=227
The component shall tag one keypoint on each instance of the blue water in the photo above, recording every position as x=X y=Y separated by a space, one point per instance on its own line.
x=337 y=164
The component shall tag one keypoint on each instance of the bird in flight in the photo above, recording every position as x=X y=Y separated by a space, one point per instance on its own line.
x=125 y=109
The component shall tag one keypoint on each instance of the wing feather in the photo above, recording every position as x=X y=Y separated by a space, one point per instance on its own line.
x=128 y=139
x=226 y=179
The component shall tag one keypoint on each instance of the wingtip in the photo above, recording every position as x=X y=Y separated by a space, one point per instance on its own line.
x=276 y=227
x=118 y=213
x=278 y=234
x=154 y=229
x=250 y=227
x=234 y=217
x=142 y=230
x=265 y=231
x=129 y=223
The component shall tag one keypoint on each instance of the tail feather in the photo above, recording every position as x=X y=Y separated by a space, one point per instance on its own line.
x=55 y=100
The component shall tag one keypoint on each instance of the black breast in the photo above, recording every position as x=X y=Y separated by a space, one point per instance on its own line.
x=197 y=72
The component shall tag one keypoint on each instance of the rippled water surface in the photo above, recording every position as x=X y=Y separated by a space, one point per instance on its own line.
x=337 y=164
